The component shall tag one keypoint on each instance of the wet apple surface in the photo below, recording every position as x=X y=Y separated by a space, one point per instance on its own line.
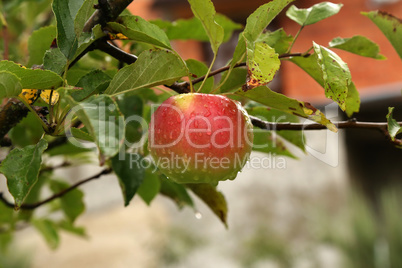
x=200 y=138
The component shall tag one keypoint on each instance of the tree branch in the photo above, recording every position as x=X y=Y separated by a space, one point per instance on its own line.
x=315 y=126
x=107 y=10
x=10 y=115
x=116 y=52
x=55 y=196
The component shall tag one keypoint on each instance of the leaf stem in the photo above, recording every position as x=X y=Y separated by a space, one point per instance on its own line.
x=208 y=72
x=45 y=127
x=294 y=39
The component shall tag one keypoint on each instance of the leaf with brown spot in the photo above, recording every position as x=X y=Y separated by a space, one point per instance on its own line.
x=263 y=63
x=335 y=73
x=391 y=27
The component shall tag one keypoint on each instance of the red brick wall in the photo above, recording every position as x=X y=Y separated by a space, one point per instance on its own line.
x=366 y=72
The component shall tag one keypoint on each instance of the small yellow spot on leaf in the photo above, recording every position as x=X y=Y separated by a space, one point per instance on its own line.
x=30 y=95
x=45 y=95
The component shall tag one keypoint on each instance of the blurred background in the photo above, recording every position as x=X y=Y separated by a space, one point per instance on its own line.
x=339 y=206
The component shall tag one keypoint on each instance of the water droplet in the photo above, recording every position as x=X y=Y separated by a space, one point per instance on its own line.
x=196 y=123
x=158 y=131
x=209 y=133
x=171 y=135
x=198 y=215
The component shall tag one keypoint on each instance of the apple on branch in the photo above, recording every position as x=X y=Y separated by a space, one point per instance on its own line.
x=200 y=138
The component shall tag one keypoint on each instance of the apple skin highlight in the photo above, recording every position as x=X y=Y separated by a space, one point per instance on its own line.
x=200 y=138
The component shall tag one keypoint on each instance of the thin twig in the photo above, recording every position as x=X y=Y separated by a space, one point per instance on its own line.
x=55 y=196
x=116 y=52
x=315 y=126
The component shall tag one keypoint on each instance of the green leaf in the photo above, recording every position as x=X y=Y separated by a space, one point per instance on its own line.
x=21 y=168
x=393 y=127
x=100 y=115
x=49 y=231
x=262 y=63
x=92 y=83
x=390 y=26
x=80 y=134
x=39 y=42
x=83 y=14
x=276 y=116
x=176 y=192
x=310 y=66
x=32 y=79
x=335 y=73
x=239 y=53
x=65 y=12
x=69 y=227
x=259 y=20
x=27 y=132
x=130 y=172
x=70 y=150
x=192 y=29
x=236 y=79
x=352 y=100
x=198 y=69
x=132 y=109
x=86 y=39
x=204 y=10
x=55 y=61
x=278 y=40
x=266 y=96
x=311 y=15
x=212 y=198
x=138 y=29
x=34 y=196
x=266 y=142
x=153 y=67
x=6 y=214
x=359 y=45
x=71 y=203
x=10 y=85
x=150 y=186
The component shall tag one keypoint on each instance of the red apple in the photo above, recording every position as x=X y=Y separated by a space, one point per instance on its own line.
x=200 y=138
